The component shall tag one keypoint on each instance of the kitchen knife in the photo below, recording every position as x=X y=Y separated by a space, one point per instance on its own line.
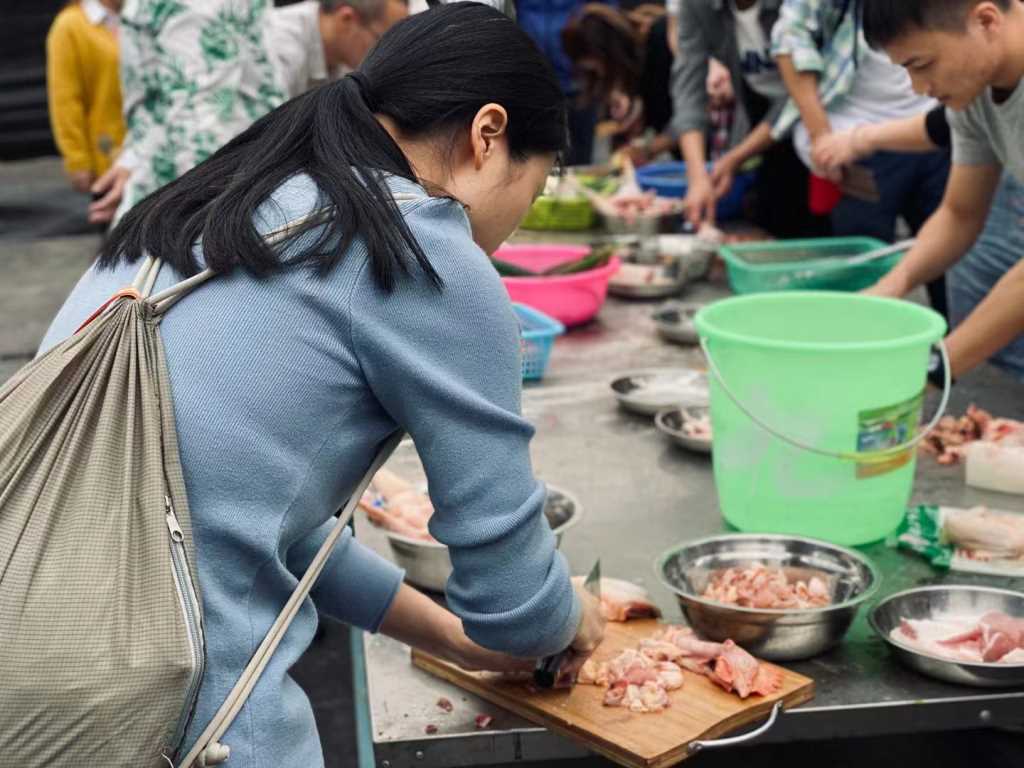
x=545 y=675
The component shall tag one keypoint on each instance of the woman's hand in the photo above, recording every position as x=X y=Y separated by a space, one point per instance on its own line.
x=110 y=189
x=719 y=85
x=588 y=636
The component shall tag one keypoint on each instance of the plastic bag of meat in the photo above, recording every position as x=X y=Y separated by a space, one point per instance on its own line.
x=977 y=540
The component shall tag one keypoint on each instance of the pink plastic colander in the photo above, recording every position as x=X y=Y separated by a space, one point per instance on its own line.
x=572 y=299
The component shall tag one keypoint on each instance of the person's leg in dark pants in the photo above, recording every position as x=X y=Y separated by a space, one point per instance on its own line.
x=780 y=196
x=582 y=121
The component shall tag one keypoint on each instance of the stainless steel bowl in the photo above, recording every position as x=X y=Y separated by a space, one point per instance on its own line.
x=672 y=422
x=674 y=322
x=667 y=223
x=930 y=602
x=777 y=635
x=427 y=563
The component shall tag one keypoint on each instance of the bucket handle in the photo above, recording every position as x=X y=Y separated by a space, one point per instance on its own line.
x=873 y=457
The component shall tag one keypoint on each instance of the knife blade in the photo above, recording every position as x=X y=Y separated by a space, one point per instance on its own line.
x=545 y=674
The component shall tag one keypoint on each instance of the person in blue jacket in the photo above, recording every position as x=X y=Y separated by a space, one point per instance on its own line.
x=379 y=312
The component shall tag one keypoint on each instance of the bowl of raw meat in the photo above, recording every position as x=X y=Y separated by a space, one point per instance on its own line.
x=403 y=511
x=966 y=635
x=782 y=598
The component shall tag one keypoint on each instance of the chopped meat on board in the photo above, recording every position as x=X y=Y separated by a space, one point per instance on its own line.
x=985 y=533
x=640 y=679
x=483 y=721
x=949 y=439
x=993 y=638
x=430 y=730
x=445 y=704
x=623 y=600
x=736 y=670
x=760 y=586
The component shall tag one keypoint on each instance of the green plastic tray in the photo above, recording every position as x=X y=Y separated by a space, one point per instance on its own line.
x=814 y=264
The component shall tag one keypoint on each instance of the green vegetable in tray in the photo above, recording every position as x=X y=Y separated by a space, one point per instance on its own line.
x=596 y=259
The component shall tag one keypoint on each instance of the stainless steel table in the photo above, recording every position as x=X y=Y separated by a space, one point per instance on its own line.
x=641 y=495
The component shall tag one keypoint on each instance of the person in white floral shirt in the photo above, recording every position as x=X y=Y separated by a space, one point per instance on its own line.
x=194 y=74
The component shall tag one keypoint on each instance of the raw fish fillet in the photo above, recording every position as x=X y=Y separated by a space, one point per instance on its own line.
x=623 y=600
x=980 y=529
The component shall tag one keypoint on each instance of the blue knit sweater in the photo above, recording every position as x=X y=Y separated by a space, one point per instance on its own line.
x=282 y=388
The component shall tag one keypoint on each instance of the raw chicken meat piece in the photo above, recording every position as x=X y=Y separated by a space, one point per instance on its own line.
x=985 y=533
x=623 y=600
x=948 y=440
x=699 y=429
x=736 y=670
x=992 y=638
x=394 y=504
x=640 y=679
x=760 y=586
x=483 y=721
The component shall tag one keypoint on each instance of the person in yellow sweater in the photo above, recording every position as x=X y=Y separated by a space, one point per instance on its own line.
x=84 y=88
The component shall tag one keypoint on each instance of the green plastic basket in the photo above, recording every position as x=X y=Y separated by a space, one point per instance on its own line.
x=815 y=264
x=560 y=213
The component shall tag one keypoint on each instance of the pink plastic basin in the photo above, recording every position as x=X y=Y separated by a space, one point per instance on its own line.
x=571 y=299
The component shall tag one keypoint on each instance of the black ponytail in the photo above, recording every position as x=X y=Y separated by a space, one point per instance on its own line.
x=431 y=73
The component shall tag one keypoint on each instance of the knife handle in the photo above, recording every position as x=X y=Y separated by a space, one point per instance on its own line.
x=545 y=674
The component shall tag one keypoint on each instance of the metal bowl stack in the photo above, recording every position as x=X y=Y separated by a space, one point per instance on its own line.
x=773 y=634
x=427 y=563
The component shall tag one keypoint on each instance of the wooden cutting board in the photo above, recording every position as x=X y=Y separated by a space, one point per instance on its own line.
x=700 y=709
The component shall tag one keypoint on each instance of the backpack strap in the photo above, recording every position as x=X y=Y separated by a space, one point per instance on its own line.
x=208 y=751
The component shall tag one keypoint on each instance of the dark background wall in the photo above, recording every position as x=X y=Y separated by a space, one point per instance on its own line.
x=24 y=124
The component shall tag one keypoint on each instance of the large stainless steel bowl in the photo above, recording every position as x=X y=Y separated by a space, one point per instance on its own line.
x=931 y=602
x=427 y=563
x=778 y=635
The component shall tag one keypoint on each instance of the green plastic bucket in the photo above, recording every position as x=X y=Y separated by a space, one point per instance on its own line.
x=815 y=402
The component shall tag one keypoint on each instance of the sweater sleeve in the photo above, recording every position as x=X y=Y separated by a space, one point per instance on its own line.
x=444 y=363
x=356 y=586
x=66 y=96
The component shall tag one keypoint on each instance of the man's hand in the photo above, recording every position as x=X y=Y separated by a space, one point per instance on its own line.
x=719 y=85
x=821 y=158
x=110 y=189
x=699 y=204
x=81 y=180
x=724 y=174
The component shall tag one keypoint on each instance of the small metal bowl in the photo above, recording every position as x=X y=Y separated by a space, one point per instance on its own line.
x=674 y=322
x=646 y=392
x=672 y=422
x=930 y=602
x=427 y=563
x=777 y=635
x=666 y=224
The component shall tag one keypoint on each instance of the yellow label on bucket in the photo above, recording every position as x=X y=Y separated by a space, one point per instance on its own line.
x=881 y=429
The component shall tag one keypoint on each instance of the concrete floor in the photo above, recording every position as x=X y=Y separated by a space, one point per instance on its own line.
x=44 y=248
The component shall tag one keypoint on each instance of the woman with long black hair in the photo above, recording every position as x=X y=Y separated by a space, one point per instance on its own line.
x=379 y=311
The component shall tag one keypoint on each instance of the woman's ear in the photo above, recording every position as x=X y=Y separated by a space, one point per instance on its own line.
x=489 y=125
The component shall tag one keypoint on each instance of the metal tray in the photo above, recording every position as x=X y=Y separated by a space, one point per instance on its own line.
x=929 y=602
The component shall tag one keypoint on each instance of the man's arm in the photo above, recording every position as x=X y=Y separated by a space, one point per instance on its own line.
x=996 y=322
x=948 y=234
x=803 y=89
